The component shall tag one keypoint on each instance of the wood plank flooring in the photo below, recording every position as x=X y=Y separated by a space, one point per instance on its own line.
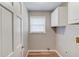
x=43 y=54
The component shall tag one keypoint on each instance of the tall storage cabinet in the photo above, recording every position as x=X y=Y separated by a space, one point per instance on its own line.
x=5 y=31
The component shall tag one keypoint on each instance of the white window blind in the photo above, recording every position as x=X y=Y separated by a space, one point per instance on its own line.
x=37 y=24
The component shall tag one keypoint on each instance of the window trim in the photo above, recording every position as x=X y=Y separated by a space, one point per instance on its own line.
x=39 y=31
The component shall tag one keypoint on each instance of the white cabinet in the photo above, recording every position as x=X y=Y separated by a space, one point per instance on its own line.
x=73 y=12
x=59 y=16
x=54 y=18
x=5 y=31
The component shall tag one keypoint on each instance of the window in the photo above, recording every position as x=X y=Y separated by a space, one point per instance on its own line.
x=37 y=24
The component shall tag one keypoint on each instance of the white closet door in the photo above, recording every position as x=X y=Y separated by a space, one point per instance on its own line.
x=0 y=32
x=16 y=32
x=17 y=36
x=6 y=32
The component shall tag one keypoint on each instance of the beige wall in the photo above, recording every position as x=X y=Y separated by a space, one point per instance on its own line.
x=42 y=41
x=65 y=40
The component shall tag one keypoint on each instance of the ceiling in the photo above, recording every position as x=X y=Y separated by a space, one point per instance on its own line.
x=41 y=6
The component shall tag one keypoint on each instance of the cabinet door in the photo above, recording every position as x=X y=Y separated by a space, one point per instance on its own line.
x=6 y=32
x=63 y=16
x=73 y=12
x=0 y=32
x=54 y=18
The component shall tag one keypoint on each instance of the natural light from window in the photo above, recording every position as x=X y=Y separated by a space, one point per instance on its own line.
x=37 y=24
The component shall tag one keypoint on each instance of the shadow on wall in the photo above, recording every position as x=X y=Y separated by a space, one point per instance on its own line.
x=62 y=29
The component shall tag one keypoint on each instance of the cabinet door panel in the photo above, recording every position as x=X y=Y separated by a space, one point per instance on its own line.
x=63 y=16
x=6 y=32
x=54 y=18
x=73 y=11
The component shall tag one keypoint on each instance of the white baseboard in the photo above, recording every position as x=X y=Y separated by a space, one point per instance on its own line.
x=58 y=53
x=43 y=50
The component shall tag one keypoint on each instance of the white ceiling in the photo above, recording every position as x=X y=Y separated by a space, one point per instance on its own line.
x=41 y=6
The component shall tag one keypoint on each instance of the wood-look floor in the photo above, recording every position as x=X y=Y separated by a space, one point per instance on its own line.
x=43 y=54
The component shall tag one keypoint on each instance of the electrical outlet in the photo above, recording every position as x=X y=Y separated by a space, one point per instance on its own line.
x=48 y=48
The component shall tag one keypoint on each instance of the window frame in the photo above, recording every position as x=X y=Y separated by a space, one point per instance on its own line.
x=44 y=31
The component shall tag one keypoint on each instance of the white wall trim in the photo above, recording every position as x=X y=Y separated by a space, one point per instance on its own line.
x=44 y=50
x=58 y=53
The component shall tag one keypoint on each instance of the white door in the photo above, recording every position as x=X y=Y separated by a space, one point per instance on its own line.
x=18 y=36
x=6 y=32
